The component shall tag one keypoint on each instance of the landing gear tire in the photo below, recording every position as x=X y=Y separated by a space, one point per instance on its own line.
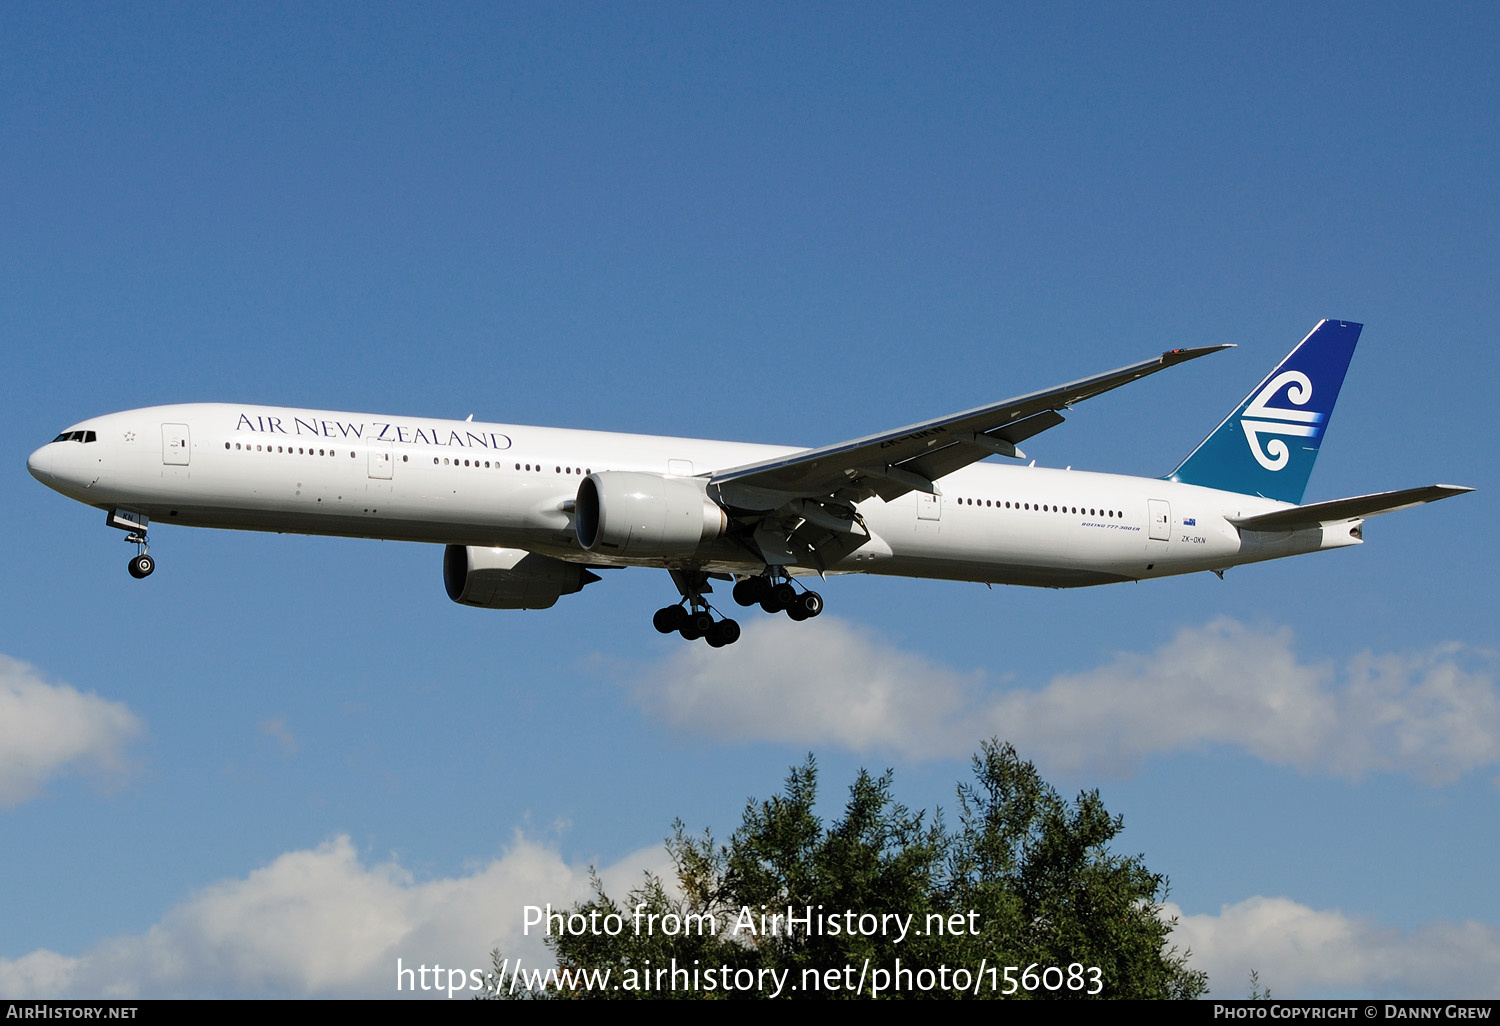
x=810 y=603
x=725 y=632
x=751 y=590
x=141 y=566
x=696 y=625
x=669 y=619
x=780 y=597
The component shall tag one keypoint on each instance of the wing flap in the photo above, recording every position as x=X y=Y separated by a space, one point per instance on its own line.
x=1003 y=442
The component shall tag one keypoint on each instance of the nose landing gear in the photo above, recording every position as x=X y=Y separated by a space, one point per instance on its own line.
x=134 y=525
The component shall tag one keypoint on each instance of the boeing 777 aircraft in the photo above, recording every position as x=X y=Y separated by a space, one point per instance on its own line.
x=527 y=513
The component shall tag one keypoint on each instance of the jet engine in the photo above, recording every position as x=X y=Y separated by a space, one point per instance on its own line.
x=509 y=578
x=627 y=513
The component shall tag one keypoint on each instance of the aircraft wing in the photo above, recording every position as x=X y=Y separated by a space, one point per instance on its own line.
x=913 y=458
x=1353 y=508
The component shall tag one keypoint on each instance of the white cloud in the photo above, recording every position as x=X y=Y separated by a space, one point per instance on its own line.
x=47 y=729
x=818 y=681
x=40 y=974
x=1304 y=952
x=1427 y=714
x=321 y=923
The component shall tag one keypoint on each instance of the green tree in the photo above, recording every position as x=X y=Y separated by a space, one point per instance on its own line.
x=1026 y=881
x=1049 y=891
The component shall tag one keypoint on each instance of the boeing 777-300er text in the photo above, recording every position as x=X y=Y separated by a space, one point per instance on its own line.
x=527 y=513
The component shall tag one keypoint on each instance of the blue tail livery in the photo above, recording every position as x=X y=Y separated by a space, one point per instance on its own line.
x=1268 y=444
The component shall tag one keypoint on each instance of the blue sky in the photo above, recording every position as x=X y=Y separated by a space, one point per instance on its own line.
x=283 y=762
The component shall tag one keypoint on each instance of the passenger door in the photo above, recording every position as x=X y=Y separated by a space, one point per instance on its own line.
x=175 y=445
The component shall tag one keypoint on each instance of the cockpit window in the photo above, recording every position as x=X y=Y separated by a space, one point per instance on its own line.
x=76 y=436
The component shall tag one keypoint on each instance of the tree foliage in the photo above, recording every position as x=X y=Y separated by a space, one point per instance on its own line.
x=1027 y=880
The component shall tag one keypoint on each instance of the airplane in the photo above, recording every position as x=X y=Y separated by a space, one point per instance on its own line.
x=527 y=514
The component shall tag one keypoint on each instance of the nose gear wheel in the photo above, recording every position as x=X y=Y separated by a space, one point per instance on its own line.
x=141 y=564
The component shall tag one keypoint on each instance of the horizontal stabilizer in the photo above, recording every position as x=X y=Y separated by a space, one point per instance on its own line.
x=1346 y=509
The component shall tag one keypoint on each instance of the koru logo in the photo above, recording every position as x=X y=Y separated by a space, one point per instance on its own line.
x=1278 y=420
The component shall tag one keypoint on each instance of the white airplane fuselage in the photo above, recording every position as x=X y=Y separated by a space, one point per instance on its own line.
x=499 y=485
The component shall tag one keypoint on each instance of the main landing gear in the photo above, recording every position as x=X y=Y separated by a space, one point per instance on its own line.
x=696 y=622
x=778 y=596
x=693 y=617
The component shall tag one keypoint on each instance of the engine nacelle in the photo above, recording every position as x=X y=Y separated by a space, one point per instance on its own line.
x=509 y=578
x=628 y=513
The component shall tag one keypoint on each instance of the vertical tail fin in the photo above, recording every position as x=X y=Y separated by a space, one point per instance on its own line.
x=1268 y=444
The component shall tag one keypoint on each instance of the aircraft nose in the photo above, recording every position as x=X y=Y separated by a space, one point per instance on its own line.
x=40 y=464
